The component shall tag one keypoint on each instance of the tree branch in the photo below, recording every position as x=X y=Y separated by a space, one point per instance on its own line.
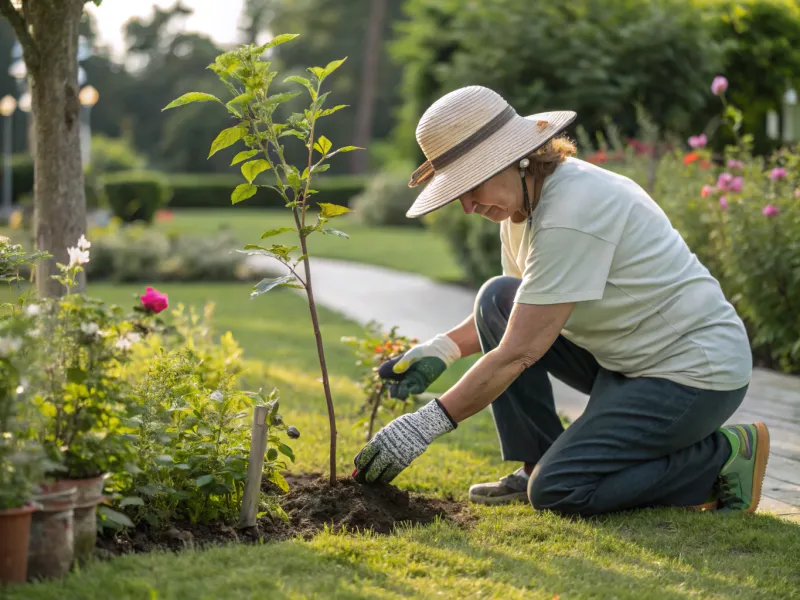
x=17 y=21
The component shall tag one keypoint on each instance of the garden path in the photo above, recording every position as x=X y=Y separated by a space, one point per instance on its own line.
x=422 y=308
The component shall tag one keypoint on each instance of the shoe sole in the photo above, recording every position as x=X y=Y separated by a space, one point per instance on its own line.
x=762 y=458
x=498 y=500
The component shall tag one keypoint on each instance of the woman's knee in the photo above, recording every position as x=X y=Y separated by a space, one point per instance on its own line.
x=496 y=296
x=550 y=490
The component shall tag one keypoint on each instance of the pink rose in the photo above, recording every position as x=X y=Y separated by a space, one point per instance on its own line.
x=770 y=211
x=736 y=184
x=707 y=189
x=777 y=173
x=735 y=164
x=154 y=301
x=698 y=141
x=723 y=203
x=724 y=181
x=719 y=85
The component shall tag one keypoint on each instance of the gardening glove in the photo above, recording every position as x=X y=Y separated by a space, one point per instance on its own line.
x=415 y=370
x=400 y=442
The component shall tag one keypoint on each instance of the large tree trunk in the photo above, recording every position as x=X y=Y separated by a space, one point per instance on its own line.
x=366 y=101
x=59 y=201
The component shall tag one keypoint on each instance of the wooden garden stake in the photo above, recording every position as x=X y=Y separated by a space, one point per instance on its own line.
x=255 y=468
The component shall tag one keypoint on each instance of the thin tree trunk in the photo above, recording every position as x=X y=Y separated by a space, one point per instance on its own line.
x=59 y=201
x=366 y=101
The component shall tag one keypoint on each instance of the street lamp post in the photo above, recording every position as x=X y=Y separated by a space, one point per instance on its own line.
x=7 y=107
x=88 y=98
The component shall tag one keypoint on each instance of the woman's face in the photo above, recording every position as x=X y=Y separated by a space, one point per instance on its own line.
x=498 y=198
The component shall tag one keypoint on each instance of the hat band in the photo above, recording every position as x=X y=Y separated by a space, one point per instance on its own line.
x=427 y=169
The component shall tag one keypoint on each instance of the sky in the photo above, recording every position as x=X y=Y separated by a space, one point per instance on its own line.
x=217 y=18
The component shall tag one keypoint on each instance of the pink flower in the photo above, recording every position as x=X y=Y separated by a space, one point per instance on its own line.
x=707 y=189
x=736 y=184
x=735 y=164
x=154 y=301
x=770 y=211
x=719 y=85
x=797 y=193
x=777 y=173
x=724 y=181
x=698 y=141
x=723 y=203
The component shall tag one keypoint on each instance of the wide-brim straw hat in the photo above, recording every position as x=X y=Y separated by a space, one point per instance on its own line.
x=469 y=136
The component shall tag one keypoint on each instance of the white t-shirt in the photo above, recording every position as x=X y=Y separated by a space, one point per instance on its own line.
x=646 y=306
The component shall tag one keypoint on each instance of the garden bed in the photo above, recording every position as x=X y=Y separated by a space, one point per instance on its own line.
x=311 y=504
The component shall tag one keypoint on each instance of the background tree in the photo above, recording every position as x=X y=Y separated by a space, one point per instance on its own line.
x=48 y=32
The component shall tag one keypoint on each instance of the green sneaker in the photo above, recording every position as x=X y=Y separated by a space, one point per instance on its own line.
x=742 y=475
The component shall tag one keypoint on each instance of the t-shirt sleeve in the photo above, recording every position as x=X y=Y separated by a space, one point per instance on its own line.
x=565 y=265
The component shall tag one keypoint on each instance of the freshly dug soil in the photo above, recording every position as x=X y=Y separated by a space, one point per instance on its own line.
x=311 y=503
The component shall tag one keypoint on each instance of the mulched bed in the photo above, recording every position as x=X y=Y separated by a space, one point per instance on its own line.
x=311 y=504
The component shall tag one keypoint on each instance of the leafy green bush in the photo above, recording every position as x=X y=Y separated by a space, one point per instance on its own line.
x=214 y=191
x=193 y=427
x=21 y=176
x=136 y=253
x=111 y=155
x=385 y=201
x=136 y=195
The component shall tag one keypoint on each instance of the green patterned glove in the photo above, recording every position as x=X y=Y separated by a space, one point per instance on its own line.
x=414 y=371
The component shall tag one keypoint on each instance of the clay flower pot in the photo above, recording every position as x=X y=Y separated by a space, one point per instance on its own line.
x=15 y=527
x=51 y=548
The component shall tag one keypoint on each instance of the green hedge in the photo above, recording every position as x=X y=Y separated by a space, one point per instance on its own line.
x=21 y=176
x=136 y=195
x=214 y=191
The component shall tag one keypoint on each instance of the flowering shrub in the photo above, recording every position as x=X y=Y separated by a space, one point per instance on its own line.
x=372 y=350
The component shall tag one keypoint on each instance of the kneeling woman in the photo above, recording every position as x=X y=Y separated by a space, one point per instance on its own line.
x=599 y=291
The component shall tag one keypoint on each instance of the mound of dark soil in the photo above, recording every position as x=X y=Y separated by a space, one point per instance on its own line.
x=311 y=504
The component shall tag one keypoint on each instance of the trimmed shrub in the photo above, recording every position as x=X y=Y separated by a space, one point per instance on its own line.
x=136 y=195
x=21 y=176
x=385 y=201
x=214 y=191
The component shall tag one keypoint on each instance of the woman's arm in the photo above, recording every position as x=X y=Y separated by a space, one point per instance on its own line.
x=531 y=331
x=465 y=335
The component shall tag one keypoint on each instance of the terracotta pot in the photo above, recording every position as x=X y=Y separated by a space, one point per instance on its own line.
x=51 y=548
x=15 y=528
x=84 y=520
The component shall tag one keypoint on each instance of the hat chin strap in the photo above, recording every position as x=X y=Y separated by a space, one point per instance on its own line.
x=523 y=164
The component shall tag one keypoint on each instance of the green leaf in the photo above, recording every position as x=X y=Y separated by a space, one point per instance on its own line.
x=286 y=451
x=273 y=232
x=243 y=191
x=272 y=454
x=265 y=285
x=345 y=149
x=191 y=97
x=131 y=501
x=273 y=101
x=245 y=98
x=147 y=490
x=320 y=168
x=330 y=111
x=163 y=459
x=323 y=145
x=115 y=517
x=328 y=210
x=293 y=179
x=278 y=480
x=336 y=232
x=76 y=375
x=204 y=480
x=251 y=169
x=181 y=466
x=243 y=155
x=333 y=65
x=227 y=137
x=304 y=82
x=318 y=72
x=277 y=40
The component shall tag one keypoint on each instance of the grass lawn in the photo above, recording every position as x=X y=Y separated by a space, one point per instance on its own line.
x=511 y=552
x=412 y=249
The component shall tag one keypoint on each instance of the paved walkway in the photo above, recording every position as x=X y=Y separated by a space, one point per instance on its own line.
x=422 y=308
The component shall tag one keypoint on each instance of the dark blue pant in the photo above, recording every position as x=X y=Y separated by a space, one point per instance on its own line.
x=640 y=442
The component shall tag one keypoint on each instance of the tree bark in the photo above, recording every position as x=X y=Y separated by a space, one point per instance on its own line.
x=366 y=102
x=59 y=200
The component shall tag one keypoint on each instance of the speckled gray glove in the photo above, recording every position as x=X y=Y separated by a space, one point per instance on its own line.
x=400 y=442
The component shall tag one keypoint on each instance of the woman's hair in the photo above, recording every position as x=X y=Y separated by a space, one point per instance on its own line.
x=545 y=160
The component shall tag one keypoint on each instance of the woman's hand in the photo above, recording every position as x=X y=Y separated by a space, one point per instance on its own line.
x=414 y=371
x=400 y=442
